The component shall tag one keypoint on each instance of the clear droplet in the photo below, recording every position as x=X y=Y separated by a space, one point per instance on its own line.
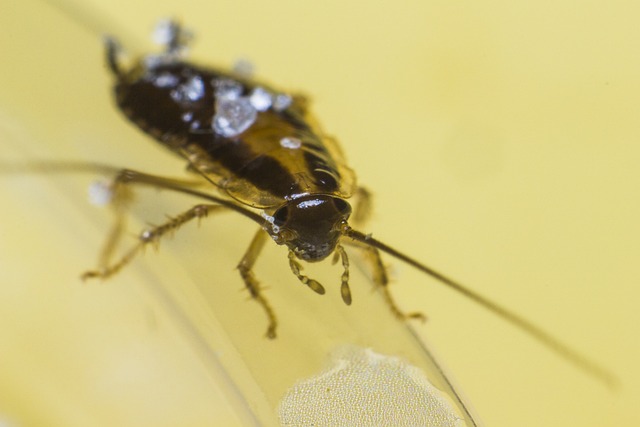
x=243 y=68
x=233 y=116
x=282 y=102
x=261 y=99
x=100 y=193
x=189 y=91
x=290 y=142
x=227 y=88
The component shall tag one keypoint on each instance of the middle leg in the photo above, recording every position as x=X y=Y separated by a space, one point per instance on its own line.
x=381 y=280
x=253 y=286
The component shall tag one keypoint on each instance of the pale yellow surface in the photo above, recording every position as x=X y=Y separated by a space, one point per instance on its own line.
x=501 y=140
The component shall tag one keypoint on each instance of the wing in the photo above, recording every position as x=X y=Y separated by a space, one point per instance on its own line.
x=266 y=157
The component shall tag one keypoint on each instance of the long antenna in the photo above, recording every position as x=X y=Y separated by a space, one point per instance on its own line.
x=95 y=21
x=534 y=331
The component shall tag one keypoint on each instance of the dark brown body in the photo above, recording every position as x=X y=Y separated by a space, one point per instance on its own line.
x=252 y=167
x=263 y=154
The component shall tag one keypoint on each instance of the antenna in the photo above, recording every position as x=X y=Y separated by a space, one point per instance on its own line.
x=548 y=340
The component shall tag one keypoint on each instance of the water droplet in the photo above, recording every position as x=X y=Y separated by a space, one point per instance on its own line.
x=282 y=102
x=227 y=88
x=291 y=143
x=261 y=99
x=189 y=91
x=233 y=116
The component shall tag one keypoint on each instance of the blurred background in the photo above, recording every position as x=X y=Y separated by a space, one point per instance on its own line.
x=500 y=142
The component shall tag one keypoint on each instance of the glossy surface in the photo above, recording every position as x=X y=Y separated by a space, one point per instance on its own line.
x=280 y=154
x=524 y=119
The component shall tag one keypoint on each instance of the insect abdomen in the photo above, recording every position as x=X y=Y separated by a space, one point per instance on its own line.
x=261 y=158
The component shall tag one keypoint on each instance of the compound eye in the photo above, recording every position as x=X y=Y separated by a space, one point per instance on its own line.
x=343 y=207
x=281 y=216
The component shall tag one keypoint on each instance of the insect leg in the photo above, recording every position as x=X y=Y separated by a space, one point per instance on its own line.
x=363 y=207
x=246 y=271
x=148 y=236
x=296 y=268
x=381 y=280
x=120 y=201
x=120 y=197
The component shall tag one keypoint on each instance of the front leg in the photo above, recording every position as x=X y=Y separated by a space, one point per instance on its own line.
x=246 y=271
x=149 y=236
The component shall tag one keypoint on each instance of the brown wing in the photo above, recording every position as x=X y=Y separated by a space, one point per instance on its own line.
x=280 y=159
x=280 y=156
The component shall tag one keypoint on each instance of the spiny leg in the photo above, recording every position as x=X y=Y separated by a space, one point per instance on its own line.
x=246 y=271
x=118 y=194
x=126 y=177
x=296 y=268
x=153 y=235
x=381 y=279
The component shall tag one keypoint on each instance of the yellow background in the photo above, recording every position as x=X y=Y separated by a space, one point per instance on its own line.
x=500 y=140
